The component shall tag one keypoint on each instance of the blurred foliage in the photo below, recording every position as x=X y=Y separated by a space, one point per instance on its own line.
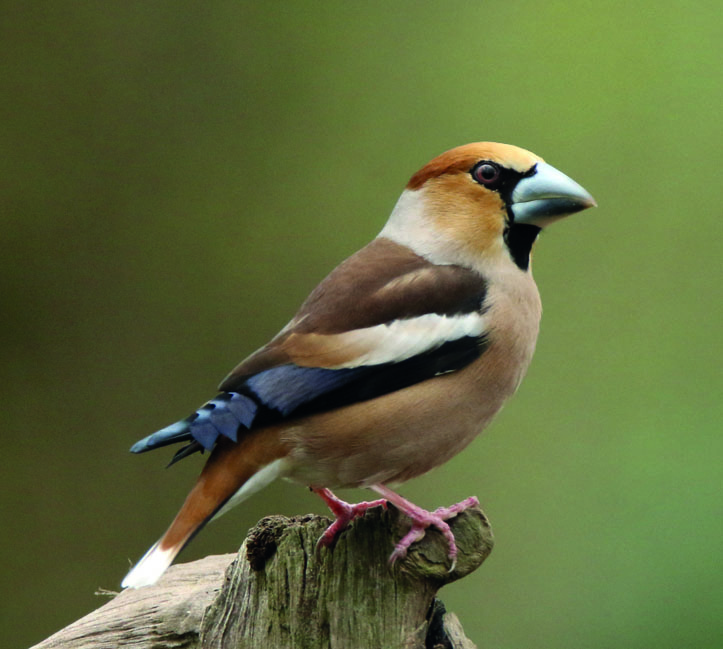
x=176 y=177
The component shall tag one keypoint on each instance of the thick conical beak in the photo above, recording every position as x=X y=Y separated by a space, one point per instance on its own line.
x=548 y=195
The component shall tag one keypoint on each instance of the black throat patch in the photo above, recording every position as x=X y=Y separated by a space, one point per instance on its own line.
x=519 y=238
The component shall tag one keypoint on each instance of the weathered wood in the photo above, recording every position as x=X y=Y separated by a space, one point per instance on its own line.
x=280 y=591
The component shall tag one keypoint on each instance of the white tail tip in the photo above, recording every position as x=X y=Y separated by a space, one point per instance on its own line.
x=150 y=568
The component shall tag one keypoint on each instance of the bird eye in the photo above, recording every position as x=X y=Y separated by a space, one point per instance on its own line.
x=486 y=173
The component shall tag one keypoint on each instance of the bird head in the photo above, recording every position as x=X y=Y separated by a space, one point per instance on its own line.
x=482 y=201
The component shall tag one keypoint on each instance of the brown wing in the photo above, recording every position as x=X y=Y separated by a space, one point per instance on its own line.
x=380 y=284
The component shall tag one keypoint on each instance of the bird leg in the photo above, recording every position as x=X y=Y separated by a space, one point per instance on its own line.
x=422 y=519
x=343 y=512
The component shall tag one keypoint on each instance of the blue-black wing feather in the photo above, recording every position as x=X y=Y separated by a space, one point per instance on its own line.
x=289 y=391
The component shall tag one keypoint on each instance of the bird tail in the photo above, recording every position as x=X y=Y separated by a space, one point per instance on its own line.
x=233 y=473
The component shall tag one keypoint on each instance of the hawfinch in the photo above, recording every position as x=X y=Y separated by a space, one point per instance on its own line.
x=394 y=363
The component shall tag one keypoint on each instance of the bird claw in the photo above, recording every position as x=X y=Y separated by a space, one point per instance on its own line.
x=344 y=514
x=400 y=550
x=451 y=511
x=422 y=519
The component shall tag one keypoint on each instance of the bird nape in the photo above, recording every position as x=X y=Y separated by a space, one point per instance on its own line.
x=394 y=362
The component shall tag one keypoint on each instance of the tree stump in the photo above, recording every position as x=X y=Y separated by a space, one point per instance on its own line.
x=280 y=592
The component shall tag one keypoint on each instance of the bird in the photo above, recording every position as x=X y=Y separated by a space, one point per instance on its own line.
x=395 y=362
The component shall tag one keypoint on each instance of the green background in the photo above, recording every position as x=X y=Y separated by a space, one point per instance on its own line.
x=177 y=176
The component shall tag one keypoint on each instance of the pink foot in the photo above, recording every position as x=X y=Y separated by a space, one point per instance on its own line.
x=344 y=514
x=422 y=519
